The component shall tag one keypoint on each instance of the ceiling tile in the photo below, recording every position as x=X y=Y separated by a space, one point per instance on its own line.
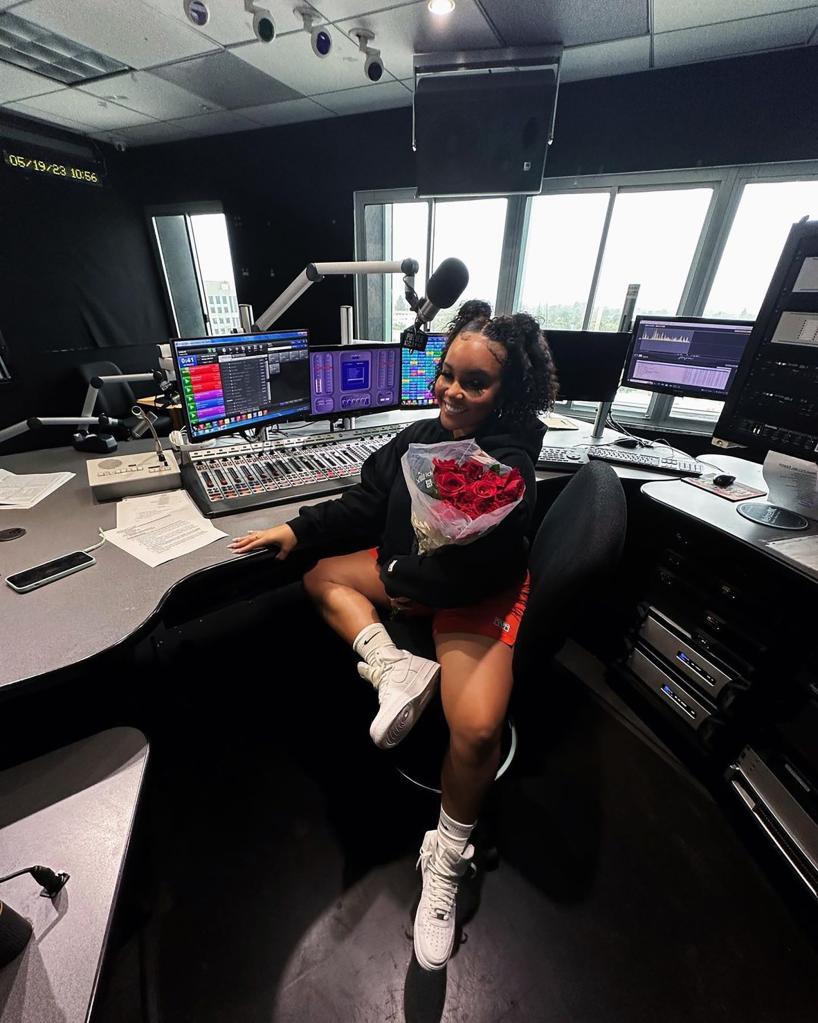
x=670 y=14
x=230 y=23
x=24 y=107
x=600 y=59
x=383 y=96
x=403 y=31
x=570 y=22
x=231 y=83
x=16 y=83
x=221 y=122
x=337 y=10
x=147 y=94
x=290 y=59
x=730 y=38
x=127 y=30
x=85 y=109
x=147 y=134
x=289 y=112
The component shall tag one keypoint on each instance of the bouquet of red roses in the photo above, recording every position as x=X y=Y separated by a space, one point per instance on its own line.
x=458 y=492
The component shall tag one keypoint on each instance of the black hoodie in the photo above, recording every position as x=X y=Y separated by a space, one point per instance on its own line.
x=376 y=513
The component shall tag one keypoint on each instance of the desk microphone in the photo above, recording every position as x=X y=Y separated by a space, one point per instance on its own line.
x=445 y=287
x=146 y=421
x=15 y=930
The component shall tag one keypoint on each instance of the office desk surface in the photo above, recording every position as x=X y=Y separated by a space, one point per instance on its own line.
x=71 y=810
x=75 y=618
x=722 y=515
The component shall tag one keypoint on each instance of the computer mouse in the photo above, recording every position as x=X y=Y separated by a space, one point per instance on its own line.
x=724 y=479
x=626 y=442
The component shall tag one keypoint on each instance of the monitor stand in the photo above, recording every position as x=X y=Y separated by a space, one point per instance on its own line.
x=771 y=515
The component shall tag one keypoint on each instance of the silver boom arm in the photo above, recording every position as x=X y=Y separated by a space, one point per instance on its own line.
x=318 y=271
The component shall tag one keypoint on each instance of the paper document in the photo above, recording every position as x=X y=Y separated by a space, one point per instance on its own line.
x=23 y=492
x=801 y=549
x=160 y=527
x=557 y=422
x=792 y=483
x=133 y=511
x=807 y=279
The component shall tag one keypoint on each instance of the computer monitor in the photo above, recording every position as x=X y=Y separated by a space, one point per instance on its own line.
x=242 y=381
x=589 y=362
x=353 y=380
x=417 y=371
x=685 y=355
x=774 y=403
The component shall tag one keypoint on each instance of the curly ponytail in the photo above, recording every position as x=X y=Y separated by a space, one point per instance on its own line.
x=529 y=377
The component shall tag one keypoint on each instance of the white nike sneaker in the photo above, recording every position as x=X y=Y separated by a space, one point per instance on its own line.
x=441 y=871
x=405 y=685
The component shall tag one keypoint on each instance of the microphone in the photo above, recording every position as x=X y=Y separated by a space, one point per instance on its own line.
x=147 y=419
x=445 y=287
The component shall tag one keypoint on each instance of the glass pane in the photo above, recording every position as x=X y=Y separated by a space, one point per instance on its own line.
x=410 y=230
x=651 y=242
x=393 y=231
x=696 y=408
x=180 y=274
x=216 y=268
x=561 y=248
x=471 y=230
x=763 y=220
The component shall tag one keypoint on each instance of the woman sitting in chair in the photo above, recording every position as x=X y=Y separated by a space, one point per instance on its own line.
x=494 y=377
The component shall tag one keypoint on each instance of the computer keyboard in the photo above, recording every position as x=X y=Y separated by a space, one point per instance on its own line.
x=669 y=463
x=240 y=477
x=563 y=459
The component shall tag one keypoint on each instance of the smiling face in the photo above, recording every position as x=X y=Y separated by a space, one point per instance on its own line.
x=468 y=387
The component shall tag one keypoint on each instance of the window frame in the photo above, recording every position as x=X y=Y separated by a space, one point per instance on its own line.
x=728 y=183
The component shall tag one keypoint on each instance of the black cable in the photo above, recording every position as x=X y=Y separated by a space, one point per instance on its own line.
x=50 y=880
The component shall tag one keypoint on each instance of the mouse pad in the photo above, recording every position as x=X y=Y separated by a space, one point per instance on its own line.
x=735 y=492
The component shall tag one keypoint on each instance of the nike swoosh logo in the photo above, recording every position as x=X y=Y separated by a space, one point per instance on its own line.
x=368 y=640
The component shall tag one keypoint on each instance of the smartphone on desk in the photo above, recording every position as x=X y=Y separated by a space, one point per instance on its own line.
x=39 y=575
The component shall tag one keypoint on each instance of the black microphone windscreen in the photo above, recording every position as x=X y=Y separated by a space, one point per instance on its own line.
x=447 y=283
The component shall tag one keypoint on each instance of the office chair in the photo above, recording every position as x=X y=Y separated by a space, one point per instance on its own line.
x=116 y=399
x=577 y=547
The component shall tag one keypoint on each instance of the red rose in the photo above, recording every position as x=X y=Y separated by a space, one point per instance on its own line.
x=448 y=484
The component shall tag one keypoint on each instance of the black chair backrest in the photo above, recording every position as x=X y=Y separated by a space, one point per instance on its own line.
x=577 y=547
x=115 y=398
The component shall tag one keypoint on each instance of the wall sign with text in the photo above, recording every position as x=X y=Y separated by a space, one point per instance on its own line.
x=52 y=166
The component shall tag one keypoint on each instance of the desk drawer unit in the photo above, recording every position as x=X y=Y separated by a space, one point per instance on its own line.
x=659 y=634
x=786 y=823
x=669 y=689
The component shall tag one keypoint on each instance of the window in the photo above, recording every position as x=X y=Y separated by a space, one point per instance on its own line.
x=699 y=242
x=471 y=230
x=765 y=214
x=560 y=253
x=194 y=255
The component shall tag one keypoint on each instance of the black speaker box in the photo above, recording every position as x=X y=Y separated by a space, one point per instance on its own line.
x=484 y=133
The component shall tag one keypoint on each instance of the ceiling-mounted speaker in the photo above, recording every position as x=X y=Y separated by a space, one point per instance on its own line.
x=483 y=120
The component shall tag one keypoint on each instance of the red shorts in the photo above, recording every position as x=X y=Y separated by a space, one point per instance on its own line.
x=497 y=617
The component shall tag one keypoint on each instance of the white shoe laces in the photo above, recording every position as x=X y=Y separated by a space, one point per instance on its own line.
x=383 y=661
x=440 y=883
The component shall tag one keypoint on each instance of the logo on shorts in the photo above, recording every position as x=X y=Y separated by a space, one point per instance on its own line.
x=502 y=625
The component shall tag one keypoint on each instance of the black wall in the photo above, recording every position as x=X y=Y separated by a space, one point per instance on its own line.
x=77 y=269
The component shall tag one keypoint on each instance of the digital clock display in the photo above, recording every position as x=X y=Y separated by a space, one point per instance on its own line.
x=51 y=167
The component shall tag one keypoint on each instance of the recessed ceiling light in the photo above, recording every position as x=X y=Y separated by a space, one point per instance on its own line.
x=34 y=48
x=441 y=7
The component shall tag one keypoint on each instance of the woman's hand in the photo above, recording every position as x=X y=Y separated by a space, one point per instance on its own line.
x=279 y=536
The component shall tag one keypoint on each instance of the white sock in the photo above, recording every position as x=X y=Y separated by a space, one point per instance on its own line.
x=370 y=639
x=452 y=833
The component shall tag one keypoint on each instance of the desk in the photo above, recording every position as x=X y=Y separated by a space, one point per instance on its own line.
x=71 y=810
x=86 y=614
x=75 y=618
x=719 y=514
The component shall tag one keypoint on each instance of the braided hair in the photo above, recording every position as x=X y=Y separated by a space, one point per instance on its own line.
x=529 y=376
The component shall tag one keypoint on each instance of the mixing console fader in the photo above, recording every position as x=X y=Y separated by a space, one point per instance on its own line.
x=239 y=477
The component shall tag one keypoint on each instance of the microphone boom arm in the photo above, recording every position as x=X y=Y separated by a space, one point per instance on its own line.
x=314 y=272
